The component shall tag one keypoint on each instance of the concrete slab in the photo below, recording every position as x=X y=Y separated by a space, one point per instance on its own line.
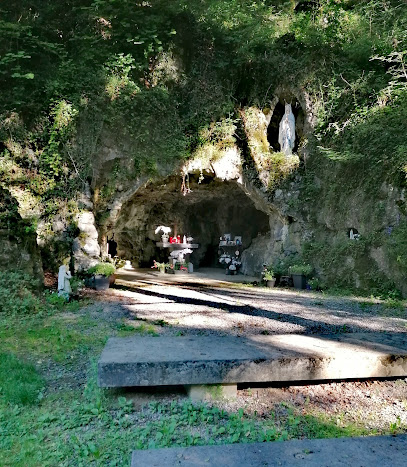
x=156 y=361
x=372 y=451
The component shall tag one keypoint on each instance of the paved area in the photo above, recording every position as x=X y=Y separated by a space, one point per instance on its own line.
x=380 y=451
x=150 y=361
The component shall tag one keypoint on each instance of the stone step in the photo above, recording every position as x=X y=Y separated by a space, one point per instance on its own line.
x=372 y=451
x=206 y=360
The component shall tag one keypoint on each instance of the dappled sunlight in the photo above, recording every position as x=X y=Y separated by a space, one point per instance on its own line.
x=207 y=308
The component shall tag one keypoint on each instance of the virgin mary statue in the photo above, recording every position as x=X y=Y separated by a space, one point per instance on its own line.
x=286 y=133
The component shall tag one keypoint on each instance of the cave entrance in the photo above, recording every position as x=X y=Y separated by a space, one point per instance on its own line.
x=212 y=209
x=277 y=115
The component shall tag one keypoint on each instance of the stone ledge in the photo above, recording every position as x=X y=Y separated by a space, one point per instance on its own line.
x=203 y=360
x=374 y=451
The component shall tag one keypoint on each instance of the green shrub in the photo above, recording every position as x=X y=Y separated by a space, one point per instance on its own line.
x=301 y=268
x=104 y=269
x=76 y=284
x=53 y=299
x=20 y=382
x=17 y=294
x=315 y=283
x=282 y=267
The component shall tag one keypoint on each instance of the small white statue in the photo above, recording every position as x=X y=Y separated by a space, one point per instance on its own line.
x=353 y=236
x=127 y=266
x=165 y=230
x=64 y=287
x=286 y=134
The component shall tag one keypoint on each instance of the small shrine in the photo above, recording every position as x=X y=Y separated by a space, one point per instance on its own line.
x=180 y=248
x=230 y=253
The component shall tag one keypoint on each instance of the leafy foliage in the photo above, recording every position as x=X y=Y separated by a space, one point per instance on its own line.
x=17 y=294
x=161 y=81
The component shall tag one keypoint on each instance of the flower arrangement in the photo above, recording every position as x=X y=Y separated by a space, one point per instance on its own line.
x=160 y=266
x=181 y=266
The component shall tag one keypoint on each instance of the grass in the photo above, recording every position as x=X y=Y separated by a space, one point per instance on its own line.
x=20 y=382
x=46 y=421
x=77 y=429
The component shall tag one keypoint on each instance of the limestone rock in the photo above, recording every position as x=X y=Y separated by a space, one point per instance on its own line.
x=86 y=249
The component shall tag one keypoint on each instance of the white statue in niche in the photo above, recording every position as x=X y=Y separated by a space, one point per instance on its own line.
x=286 y=134
x=64 y=287
x=353 y=236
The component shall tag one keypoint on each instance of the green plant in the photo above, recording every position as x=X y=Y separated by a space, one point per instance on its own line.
x=103 y=269
x=17 y=293
x=20 y=382
x=53 y=299
x=314 y=283
x=161 y=266
x=301 y=268
x=119 y=263
x=76 y=284
x=268 y=273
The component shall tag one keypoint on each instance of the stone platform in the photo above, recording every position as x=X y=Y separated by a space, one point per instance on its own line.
x=372 y=451
x=209 y=360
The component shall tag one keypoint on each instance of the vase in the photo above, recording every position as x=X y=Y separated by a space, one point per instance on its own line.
x=100 y=282
x=271 y=283
x=300 y=281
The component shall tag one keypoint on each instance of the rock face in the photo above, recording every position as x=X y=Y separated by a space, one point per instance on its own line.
x=244 y=185
x=85 y=248
x=19 y=250
x=248 y=188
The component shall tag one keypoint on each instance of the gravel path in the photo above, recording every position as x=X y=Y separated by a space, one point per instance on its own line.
x=246 y=311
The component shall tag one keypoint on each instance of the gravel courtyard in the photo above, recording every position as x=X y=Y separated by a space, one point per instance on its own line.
x=229 y=309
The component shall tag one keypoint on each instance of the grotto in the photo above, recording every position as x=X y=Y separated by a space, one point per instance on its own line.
x=205 y=211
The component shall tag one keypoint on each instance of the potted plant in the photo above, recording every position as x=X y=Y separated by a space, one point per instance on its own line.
x=299 y=273
x=101 y=276
x=160 y=266
x=268 y=276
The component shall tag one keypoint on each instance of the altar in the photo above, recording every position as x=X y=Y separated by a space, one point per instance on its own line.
x=180 y=250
